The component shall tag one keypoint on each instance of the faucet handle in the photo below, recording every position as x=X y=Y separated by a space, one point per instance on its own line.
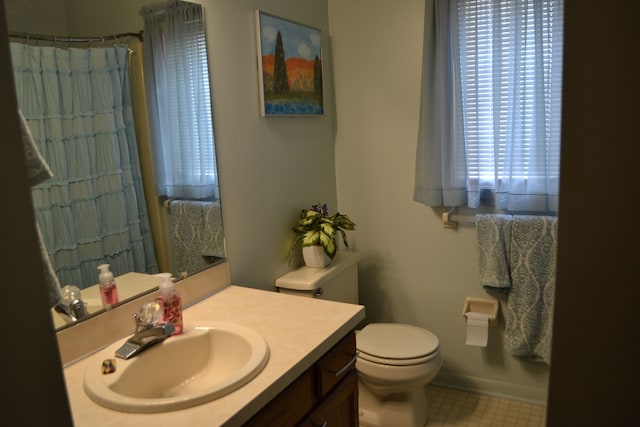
x=148 y=316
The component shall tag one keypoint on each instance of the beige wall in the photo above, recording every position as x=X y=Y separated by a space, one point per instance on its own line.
x=37 y=16
x=413 y=270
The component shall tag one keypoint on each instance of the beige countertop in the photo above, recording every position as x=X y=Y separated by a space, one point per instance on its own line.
x=298 y=331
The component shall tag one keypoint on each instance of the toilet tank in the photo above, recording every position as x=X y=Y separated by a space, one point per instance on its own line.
x=337 y=282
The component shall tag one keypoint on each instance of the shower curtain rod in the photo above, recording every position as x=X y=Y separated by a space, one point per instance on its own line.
x=63 y=39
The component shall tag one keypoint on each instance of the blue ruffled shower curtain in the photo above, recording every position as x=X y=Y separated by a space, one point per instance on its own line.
x=78 y=107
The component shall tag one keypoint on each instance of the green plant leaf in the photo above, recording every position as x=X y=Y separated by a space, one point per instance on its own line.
x=311 y=238
x=329 y=245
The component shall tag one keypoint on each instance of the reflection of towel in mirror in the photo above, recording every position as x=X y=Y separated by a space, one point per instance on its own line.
x=197 y=234
x=38 y=172
x=212 y=237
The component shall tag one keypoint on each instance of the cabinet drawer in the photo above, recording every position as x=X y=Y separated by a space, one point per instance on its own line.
x=336 y=364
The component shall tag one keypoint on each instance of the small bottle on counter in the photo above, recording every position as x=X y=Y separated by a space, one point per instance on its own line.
x=108 y=289
x=171 y=303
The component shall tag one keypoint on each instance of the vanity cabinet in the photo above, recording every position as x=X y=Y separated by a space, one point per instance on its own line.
x=326 y=394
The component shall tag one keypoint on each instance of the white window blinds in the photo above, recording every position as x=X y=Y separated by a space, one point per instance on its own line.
x=491 y=104
x=179 y=94
x=510 y=82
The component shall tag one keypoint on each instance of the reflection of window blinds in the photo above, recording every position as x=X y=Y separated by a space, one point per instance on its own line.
x=188 y=162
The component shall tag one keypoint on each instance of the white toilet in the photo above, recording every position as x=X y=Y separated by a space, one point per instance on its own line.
x=395 y=361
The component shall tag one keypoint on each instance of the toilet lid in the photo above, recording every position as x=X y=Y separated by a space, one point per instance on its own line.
x=396 y=341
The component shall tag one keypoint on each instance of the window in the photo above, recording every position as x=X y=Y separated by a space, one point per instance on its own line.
x=176 y=66
x=504 y=60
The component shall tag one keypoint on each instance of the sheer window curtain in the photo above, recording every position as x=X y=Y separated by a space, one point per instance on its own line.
x=179 y=100
x=491 y=97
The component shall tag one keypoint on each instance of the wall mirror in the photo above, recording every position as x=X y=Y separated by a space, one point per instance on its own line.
x=97 y=209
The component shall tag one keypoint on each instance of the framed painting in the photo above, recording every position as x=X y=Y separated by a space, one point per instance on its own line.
x=289 y=67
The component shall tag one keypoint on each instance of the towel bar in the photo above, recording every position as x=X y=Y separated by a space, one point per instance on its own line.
x=450 y=219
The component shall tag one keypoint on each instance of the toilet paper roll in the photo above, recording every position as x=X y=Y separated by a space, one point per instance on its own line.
x=477 y=329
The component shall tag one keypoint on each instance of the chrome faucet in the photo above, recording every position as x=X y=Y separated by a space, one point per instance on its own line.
x=71 y=307
x=147 y=332
x=144 y=339
x=66 y=312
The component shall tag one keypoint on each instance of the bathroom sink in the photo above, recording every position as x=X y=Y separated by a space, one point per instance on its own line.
x=206 y=362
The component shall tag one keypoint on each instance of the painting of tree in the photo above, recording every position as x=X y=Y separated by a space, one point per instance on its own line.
x=280 y=79
x=290 y=67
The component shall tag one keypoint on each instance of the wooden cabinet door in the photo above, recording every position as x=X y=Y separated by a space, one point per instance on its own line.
x=290 y=406
x=339 y=408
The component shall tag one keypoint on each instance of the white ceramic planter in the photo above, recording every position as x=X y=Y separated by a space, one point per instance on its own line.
x=314 y=257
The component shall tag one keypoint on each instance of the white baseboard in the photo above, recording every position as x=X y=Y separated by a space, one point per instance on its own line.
x=512 y=391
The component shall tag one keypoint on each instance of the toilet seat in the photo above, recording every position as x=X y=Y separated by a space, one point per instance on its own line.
x=396 y=344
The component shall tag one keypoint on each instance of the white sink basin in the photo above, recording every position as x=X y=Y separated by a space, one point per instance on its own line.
x=204 y=363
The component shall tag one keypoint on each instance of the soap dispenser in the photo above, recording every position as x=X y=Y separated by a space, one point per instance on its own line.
x=108 y=289
x=170 y=302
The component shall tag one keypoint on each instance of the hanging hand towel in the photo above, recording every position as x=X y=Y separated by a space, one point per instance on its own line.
x=529 y=313
x=494 y=234
x=212 y=236
x=197 y=234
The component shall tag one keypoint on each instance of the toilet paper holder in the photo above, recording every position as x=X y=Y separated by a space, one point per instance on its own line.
x=482 y=305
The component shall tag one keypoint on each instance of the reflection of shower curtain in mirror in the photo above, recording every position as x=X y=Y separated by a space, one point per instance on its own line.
x=78 y=106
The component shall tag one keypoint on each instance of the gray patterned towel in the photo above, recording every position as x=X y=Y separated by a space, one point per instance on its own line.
x=517 y=254
x=533 y=269
x=494 y=234
x=197 y=234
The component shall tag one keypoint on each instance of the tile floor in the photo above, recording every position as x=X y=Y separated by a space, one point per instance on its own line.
x=449 y=407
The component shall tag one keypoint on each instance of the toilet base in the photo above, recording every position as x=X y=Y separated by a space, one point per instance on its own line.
x=405 y=409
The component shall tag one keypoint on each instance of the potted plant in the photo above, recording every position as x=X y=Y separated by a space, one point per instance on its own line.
x=316 y=230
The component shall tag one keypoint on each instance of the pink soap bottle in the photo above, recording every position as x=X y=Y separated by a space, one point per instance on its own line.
x=108 y=289
x=171 y=303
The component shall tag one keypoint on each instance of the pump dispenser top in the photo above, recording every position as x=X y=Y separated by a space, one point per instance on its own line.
x=105 y=276
x=108 y=290
x=167 y=287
